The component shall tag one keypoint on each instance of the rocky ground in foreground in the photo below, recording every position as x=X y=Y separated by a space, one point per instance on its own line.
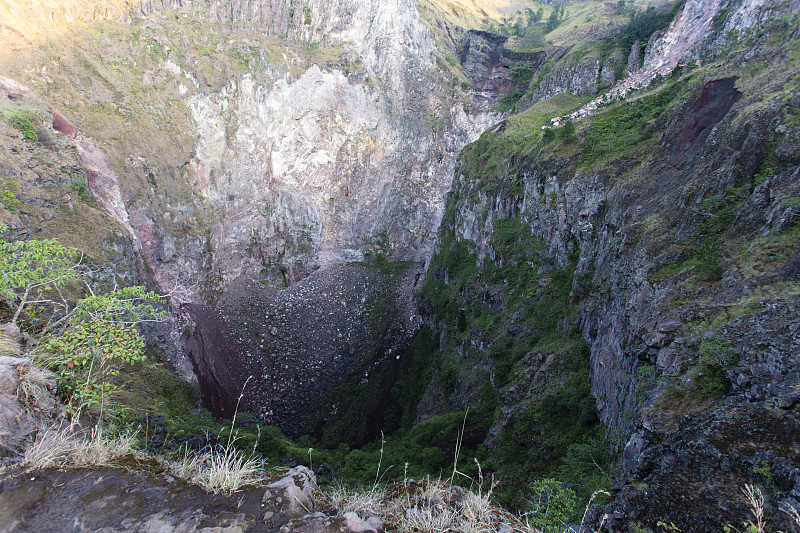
x=141 y=496
x=144 y=498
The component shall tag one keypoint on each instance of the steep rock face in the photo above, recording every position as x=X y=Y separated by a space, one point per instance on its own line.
x=257 y=140
x=487 y=62
x=581 y=79
x=286 y=154
x=662 y=239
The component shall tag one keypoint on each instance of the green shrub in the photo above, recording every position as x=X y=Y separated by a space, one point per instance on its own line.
x=555 y=18
x=718 y=351
x=9 y=200
x=711 y=382
x=552 y=505
x=567 y=132
x=23 y=121
x=708 y=260
x=710 y=375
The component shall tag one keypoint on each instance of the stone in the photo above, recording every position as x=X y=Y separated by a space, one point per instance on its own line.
x=358 y=525
x=631 y=455
x=669 y=326
x=297 y=489
x=657 y=340
x=166 y=250
x=16 y=425
x=9 y=379
x=665 y=358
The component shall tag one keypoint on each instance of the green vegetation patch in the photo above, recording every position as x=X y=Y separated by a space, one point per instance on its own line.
x=514 y=301
x=518 y=137
x=23 y=117
x=8 y=194
x=623 y=125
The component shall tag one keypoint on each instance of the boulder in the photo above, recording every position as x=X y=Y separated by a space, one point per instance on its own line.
x=358 y=525
x=16 y=425
x=290 y=496
x=9 y=378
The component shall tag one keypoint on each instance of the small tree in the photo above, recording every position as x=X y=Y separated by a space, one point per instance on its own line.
x=101 y=334
x=552 y=505
x=33 y=272
x=83 y=343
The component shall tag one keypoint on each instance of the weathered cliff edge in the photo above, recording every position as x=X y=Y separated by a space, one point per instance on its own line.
x=255 y=141
x=672 y=221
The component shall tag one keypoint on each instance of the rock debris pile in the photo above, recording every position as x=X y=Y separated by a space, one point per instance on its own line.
x=288 y=351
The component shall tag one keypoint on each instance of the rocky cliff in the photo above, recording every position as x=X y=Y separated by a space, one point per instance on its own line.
x=664 y=234
x=250 y=141
x=255 y=138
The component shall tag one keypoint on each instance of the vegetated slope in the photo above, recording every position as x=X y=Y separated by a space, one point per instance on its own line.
x=647 y=259
x=647 y=255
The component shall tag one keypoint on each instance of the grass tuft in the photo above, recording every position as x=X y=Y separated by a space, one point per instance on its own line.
x=219 y=468
x=71 y=446
x=36 y=388
x=427 y=506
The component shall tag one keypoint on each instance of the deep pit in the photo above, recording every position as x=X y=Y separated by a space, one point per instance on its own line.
x=319 y=357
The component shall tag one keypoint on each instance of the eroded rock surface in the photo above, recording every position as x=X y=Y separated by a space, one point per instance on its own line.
x=683 y=246
x=146 y=499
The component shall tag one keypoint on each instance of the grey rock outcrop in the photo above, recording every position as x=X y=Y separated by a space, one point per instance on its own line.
x=488 y=63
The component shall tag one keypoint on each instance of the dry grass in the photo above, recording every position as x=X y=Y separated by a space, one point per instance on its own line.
x=71 y=446
x=756 y=500
x=8 y=346
x=219 y=468
x=427 y=506
x=363 y=503
x=36 y=389
x=792 y=512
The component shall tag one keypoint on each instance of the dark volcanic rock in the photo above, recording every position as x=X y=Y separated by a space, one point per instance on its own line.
x=213 y=349
x=289 y=352
x=693 y=475
x=714 y=102
x=148 y=499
